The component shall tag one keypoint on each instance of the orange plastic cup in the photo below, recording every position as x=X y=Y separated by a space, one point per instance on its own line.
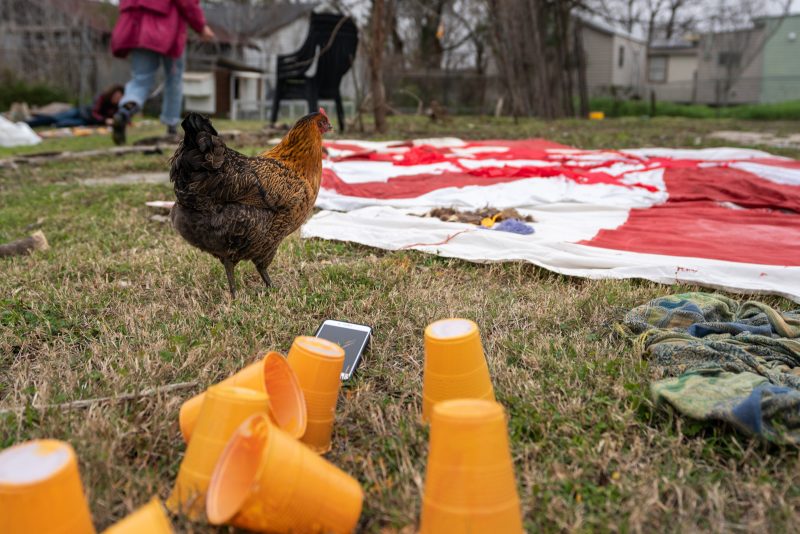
x=318 y=365
x=149 y=518
x=272 y=375
x=287 y=403
x=455 y=367
x=268 y=482
x=41 y=491
x=469 y=483
x=223 y=410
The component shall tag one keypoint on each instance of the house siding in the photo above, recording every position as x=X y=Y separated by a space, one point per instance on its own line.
x=284 y=41
x=711 y=75
x=681 y=68
x=599 y=59
x=679 y=85
x=781 y=67
x=631 y=74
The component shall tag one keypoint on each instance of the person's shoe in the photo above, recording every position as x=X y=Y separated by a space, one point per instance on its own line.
x=120 y=122
x=172 y=135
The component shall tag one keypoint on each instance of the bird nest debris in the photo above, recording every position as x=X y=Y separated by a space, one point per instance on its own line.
x=478 y=216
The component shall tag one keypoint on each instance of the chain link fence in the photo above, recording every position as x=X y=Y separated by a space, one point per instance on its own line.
x=715 y=92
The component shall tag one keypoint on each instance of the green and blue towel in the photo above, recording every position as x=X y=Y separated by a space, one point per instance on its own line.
x=726 y=361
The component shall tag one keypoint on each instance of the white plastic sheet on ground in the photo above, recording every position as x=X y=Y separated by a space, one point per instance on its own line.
x=570 y=212
x=17 y=134
x=551 y=248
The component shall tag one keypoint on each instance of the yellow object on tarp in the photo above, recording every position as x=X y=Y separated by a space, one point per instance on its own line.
x=597 y=115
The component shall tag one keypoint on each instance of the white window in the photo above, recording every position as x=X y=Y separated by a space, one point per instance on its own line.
x=657 y=69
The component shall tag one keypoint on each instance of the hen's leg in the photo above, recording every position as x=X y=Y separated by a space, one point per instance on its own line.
x=261 y=267
x=229 y=265
x=262 y=270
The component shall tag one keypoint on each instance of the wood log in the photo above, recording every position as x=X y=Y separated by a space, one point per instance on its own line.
x=20 y=247
x=49 y=157
x=87 y=403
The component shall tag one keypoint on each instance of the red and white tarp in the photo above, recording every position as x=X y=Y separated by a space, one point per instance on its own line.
x=722 y=217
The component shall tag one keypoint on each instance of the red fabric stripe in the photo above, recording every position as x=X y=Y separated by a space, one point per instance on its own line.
x=725 y=184
x=423 y=154
x=520 y=144
x=693 y=224
x=775 y=162
x=408 y=186
x=419 y=184
x=708 y=230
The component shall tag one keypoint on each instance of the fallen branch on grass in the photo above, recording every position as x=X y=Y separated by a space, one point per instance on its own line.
x=20 y=247
x=86 y=403
x=49 y=157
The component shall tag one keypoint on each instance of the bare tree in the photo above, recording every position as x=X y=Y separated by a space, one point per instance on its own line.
x=650 y=18
x=632 y=13
x=376 y=47
x=535 y=53
x=376 y=30
x=674 y=8
x=652 y=9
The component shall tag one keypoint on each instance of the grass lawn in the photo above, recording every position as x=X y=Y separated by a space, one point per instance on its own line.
x=121 y=303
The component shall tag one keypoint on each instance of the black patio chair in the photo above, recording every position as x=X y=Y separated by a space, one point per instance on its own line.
x=335 y=38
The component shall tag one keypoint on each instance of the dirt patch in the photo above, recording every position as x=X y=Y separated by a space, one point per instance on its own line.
x=131 y=178
x=758 y=138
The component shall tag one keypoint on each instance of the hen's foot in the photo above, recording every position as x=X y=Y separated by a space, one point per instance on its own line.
x=265 y=277
x=229 y=265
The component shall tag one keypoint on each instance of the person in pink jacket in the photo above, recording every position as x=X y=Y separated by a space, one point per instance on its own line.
x=153 y=33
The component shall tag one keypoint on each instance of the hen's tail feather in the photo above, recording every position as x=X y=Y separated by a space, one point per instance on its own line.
x=206 y=173
x=201 y=151
x=194 y=123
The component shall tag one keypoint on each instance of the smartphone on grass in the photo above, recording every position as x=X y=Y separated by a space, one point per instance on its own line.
x=353 y=338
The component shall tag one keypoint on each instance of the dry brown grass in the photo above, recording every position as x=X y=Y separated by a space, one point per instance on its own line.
x=122 y=304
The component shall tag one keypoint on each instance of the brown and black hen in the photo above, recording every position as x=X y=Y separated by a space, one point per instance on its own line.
x=239 y=208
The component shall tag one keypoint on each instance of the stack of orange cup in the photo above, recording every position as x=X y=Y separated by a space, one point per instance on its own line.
x=268 y=482
x=318 y=365
x=455 y=366
x=224 y=409
x=469 y=483
x=150 y=518
x=41 y=491
x=287 y=403
x=271 y=375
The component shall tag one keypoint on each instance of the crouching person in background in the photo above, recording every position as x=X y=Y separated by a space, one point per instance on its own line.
x=153 y=33
x=102 y=112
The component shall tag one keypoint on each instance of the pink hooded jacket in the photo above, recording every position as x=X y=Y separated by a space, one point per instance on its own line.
x=158 y=25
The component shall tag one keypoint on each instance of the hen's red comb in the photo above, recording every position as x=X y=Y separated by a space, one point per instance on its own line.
x=322 y=110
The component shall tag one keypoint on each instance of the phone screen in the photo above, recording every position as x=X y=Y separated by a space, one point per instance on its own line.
x=351 y=340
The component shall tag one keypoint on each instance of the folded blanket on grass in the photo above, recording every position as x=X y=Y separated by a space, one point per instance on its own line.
x=730 y=361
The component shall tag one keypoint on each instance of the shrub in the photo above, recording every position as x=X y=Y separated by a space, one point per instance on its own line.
x=36 y=94
x=639 y=108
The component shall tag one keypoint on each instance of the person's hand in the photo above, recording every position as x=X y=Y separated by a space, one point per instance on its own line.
x=109 y=121
x=207 y=34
